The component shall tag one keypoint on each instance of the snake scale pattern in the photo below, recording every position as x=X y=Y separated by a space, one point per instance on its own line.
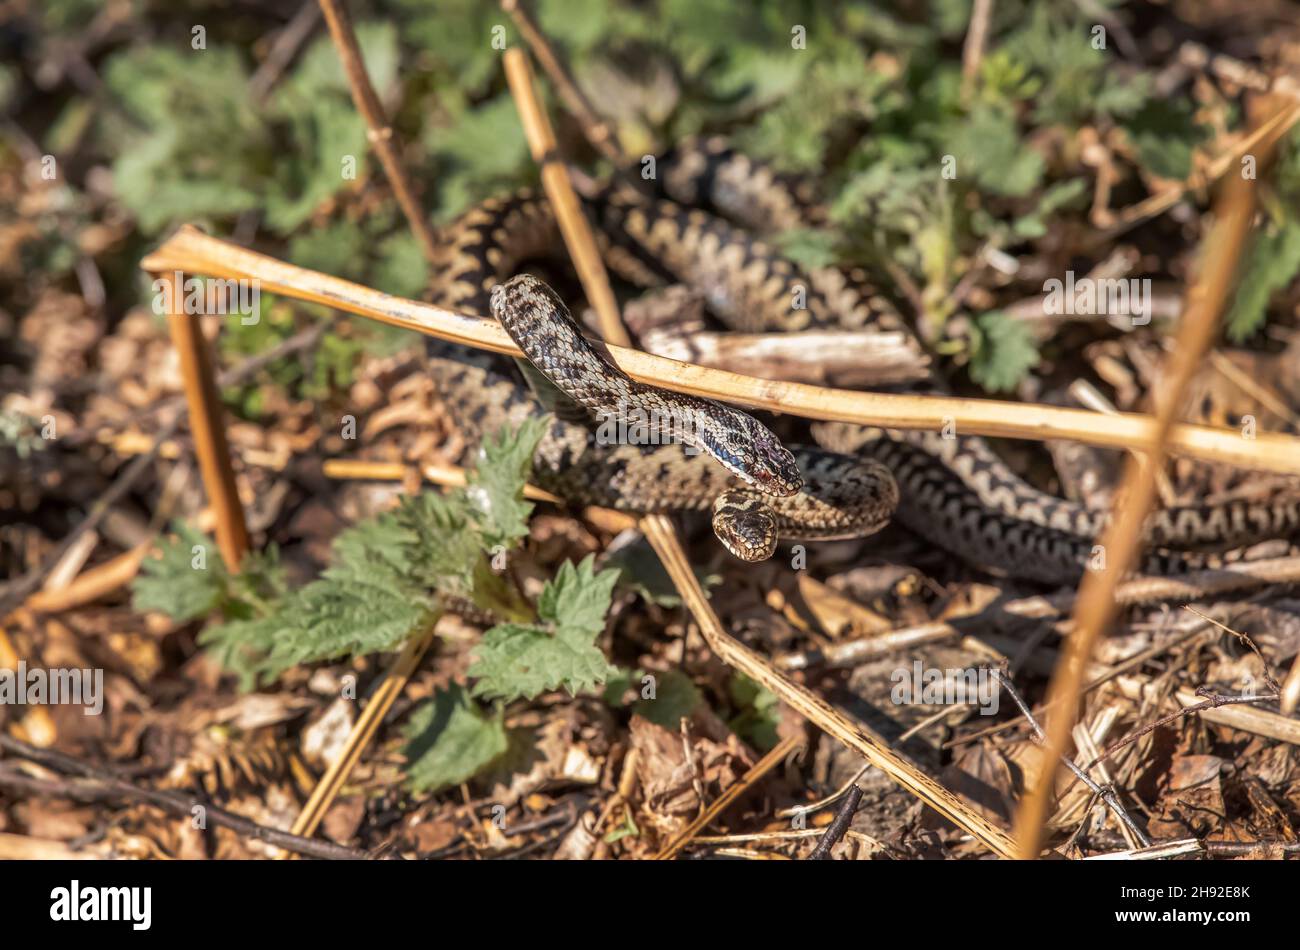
x=707 y=232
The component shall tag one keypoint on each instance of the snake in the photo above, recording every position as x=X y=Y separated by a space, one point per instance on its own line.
x=707 y=230
x=755 y=489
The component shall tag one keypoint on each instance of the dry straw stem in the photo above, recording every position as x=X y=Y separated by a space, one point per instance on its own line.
x=972 y=51
x=390 y=687
x=1258 y=143
x=380 y=133
x=568 y=209
x=1198 y=585
x=207 y=424
x=873 y=747
x=598 y=132
x=1252 y=719
x=452 y=476
x=198 y=253
x=1096 y=606
x=723 y=802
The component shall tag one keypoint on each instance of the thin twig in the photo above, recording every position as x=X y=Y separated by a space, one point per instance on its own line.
x=382 y=137
x=1269 y=681
x=843 y=817
x=99 y=784
x=830 y=799
x=597 y=131
x=286 y=44
x=1106 y=793
x=972 y=51
x=1213 y=700
x=574 y=227
x=1222 y=849
x=207 y=425
x=724 y=801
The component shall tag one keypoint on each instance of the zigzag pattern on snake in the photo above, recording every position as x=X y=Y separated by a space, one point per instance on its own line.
x=956 y=493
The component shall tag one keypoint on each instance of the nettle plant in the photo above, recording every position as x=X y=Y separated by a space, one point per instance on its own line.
x=390 y=578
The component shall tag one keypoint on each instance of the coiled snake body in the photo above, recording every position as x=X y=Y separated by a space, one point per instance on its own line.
x=954 y=492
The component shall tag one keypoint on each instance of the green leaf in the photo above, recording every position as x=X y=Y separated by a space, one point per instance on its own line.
x=1002 y=352
x=456 y=37
x=483 y=152
x=261 y=581
x=577 y=600
x=401 y=269
x=988 y=147
x=181 y=103
x=675 y=698
x=811 y=98
x=187 y=582
x=450 y=739
x=243 y=646
x=619 y=682
x=809 y=248
x=441 y=548
x=523 y=660
x=496 y=486
x=627 y=829
x=1034 y=224
x=325 y=132
x=1272 y=264
x=338 y=617
x=1078 y=81
x=516 y=661
x=1165 y=134
x=389 y=576
x=377 y=548
x=339 y=249
x=758 y=712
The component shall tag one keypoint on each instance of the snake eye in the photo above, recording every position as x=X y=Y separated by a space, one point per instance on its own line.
x=782 y=473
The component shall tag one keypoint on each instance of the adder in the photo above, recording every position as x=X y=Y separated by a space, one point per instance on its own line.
x=706 y=233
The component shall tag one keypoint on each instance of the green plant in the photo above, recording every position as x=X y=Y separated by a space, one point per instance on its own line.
x=390 y=578
x=1273 y=257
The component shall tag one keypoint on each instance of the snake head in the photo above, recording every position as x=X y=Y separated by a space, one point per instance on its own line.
x=745 y=525
x=749 y=450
